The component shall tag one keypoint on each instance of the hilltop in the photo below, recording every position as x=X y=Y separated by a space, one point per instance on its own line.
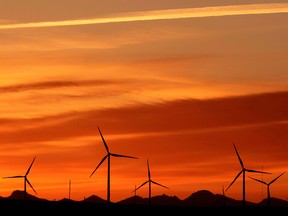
x=202 y=200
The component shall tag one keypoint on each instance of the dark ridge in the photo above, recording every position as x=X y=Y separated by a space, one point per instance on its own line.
x=203 y=201
x=201 y=198
x=137 y=200
x=94 y=199
x=273 y=202
x=165 y=200
x=20 y=195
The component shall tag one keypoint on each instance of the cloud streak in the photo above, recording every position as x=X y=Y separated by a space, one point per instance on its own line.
x=52 y=84
x=163 y=15
x=187 y=116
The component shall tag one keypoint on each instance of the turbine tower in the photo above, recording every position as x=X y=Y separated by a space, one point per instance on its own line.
x=25 y=179
x=108 y=155
x=69 y=193
x=150 y=181
x=268 y=186
x=223 y=194
x=243 y=172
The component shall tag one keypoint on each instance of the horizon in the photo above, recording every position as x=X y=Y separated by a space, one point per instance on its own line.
x=15 y=195
x=172 y=82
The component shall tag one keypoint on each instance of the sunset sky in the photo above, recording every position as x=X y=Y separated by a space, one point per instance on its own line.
x=176 y=82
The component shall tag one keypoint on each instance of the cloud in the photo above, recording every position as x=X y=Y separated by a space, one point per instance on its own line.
x=163 y=15
x=169 y=118
x=52 y=84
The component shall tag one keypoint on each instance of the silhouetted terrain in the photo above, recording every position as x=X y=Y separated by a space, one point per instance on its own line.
x=202 y=200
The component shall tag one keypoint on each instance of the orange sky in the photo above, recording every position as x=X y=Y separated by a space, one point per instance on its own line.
x=175 y=82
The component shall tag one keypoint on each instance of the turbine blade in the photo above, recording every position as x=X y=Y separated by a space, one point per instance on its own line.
x=234 y=180
x=141 y=185
x=149 y=175
x=118 y=155
x=276 y=178
x=256 y=171
x=105 y=144
x=103 y=159
x=30 y=185
x=258 y=180
x=241 y=162
x=13 y=177
x=30 y=167
x=159 y=184
x=134 y=189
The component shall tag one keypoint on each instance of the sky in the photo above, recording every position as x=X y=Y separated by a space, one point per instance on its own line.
x=174 y=82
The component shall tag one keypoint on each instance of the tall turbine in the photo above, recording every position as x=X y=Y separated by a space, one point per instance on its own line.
x=25 y=179
x=150 y=181
x=268 y=186
x=243 y=171
x=108 y=158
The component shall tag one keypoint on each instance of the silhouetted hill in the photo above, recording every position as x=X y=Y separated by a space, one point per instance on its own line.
x=166 y=200
x=137 y=200
x=201 y=198
x=273 y=202
x=94 y=199
x=19 y=195
x=66 y=200
x=205 y=198
x=162 y=200
x=201 y=201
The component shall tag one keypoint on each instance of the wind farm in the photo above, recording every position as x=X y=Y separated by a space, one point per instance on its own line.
x=199 y=199
x=96 y=88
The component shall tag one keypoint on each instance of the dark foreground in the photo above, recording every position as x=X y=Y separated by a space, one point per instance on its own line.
x=85 y=208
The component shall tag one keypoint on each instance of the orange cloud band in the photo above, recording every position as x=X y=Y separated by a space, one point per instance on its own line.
x=163 y=15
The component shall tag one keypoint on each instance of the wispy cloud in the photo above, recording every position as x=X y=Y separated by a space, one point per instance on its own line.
x=52 y=84
x=163 y=15
x=178 y=117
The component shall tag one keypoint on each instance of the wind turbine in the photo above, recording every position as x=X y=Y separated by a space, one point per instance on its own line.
x=243 y=171
x=150 y=181
x=25 y=179
x=109 y=154
x=268 y=186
